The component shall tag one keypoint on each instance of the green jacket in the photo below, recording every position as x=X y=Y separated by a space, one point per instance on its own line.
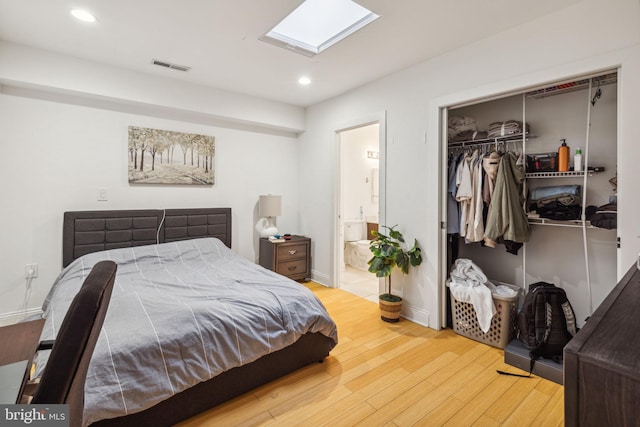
x=507 y=218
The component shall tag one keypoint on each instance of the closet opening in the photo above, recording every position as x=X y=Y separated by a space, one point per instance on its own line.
x=560 y=212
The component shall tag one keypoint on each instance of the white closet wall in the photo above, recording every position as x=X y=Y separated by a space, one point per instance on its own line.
x=556 y=254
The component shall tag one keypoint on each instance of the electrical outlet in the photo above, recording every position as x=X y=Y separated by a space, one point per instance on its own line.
x=30 y=271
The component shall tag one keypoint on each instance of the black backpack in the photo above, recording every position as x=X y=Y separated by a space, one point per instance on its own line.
x=546 y=322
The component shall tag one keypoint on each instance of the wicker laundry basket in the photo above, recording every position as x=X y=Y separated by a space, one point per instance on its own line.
x=502 y=329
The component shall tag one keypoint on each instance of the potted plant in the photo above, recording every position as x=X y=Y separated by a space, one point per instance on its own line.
x=390 y=251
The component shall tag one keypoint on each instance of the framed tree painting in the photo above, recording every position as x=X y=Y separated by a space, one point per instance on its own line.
x=168 y=157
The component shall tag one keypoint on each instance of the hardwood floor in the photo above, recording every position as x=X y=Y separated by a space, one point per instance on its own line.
x=402 y=374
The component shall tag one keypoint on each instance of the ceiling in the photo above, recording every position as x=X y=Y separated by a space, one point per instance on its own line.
x=218 y=39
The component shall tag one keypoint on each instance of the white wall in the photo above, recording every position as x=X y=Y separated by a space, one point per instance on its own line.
x=55 y=155
x=593 y=35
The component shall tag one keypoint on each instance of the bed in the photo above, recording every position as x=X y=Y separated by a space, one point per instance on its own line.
x=191 y=324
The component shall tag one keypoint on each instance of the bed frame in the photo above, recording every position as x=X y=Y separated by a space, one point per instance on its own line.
x=92 y=231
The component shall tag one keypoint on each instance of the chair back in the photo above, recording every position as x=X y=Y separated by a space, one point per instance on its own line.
x=65 y=373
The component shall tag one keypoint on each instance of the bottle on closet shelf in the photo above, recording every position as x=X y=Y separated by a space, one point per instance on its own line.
x=563 y=156
x=577 y=160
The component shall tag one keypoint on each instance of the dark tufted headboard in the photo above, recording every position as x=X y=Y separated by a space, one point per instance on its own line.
x=92 y=231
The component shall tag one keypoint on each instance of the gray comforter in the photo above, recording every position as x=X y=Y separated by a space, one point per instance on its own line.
x=181 y=313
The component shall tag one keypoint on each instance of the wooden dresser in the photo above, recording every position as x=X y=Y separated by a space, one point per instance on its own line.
x=291 y=258
x=602 y=362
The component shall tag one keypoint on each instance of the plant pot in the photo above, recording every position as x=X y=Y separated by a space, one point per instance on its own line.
x=390 y=311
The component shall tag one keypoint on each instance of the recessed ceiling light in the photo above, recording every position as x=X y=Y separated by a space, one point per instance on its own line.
x=317 y=24
x=304 y=80
x=83 y=15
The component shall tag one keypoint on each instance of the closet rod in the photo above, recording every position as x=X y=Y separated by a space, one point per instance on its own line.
x=481 y=145
x=516 y=137
x=467 y=144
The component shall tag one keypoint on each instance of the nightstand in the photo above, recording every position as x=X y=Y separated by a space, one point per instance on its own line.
x=291 y=258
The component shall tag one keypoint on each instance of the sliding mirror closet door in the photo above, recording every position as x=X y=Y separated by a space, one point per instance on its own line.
x=562 y=246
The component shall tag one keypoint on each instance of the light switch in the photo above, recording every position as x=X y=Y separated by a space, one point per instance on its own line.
x=102 y=195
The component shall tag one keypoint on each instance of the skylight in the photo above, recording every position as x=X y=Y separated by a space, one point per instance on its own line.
x=317 y=24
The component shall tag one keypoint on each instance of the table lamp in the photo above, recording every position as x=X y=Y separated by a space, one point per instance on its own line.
x=269 y=207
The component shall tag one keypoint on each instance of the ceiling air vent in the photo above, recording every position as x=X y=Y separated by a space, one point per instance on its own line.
x=170 y=65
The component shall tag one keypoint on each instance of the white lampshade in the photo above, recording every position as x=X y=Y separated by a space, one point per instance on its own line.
x=270 y=206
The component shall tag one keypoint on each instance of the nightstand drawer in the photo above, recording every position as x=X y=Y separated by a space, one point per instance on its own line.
x=291 y=258
x=289 y=252
x=292 y=268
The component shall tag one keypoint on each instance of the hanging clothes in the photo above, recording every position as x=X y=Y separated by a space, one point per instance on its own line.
x=464 y=191
x=507 y=218
x=490 y=166
x=453 y=213
x=475 y=223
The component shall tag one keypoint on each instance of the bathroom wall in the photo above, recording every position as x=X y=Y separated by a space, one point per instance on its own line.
x=358 y=170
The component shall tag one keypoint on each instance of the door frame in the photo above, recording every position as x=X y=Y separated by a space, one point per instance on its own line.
x=379 y=118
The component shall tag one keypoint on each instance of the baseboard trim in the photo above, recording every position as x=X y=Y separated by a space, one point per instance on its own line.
x=415 y=314
x=321 y=278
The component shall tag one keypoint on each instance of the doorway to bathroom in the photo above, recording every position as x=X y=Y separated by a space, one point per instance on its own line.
x=359 y=208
